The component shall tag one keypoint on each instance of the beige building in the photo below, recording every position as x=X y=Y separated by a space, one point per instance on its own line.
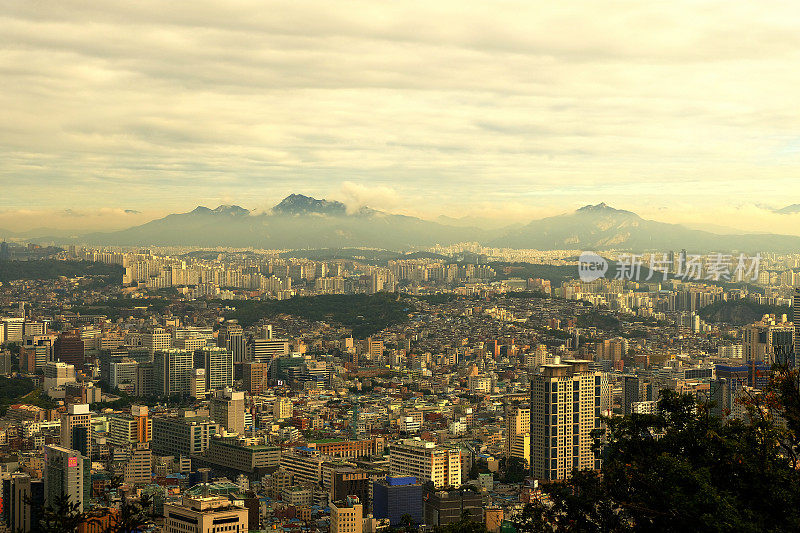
x=768 y=340
x=204 y=514
x=518 y=431
x=426 y=461
x=157 y=340
x=227 y=409
x=566 y=402
x=139 y=468
x=347 y=516
x=283 y=408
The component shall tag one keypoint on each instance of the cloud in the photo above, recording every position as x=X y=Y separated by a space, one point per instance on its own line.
x=421 y=107
x=381 y=197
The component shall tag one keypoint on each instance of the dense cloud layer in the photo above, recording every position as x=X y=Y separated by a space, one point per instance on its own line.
x=425 y=107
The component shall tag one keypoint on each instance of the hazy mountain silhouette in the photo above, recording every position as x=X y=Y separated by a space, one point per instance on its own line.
x=789 y=209
x=296 y=222
x=600 y=227
x=300 y=221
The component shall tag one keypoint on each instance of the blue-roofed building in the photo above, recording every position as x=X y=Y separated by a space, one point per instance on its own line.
x=394 y=497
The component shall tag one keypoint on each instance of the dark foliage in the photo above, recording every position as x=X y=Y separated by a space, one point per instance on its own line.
x=52 y=268
x=364 y=313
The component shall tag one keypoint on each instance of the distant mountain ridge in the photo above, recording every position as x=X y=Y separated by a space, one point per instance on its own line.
x=601 y=227
x=789 y=209
x=300 y=221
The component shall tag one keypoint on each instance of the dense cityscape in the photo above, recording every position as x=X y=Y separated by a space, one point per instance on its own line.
x=399 y=267
x=283 y=390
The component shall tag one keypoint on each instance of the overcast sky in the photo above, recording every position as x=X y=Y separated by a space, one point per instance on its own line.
x=116 y=112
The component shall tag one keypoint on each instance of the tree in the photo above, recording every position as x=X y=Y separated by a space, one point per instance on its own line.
x=407 y=521
x=61 y=516
x=685 y=470
x=514 y=469
x=465 y=525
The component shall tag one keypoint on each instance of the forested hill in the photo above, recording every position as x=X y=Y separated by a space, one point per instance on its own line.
x=52 y=268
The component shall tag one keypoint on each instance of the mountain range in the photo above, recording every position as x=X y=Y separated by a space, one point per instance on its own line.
x=299 y=222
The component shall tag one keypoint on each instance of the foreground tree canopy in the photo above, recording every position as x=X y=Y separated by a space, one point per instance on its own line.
x=685 y=470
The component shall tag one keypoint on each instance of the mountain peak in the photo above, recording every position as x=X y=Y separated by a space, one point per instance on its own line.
x=601 y=209
x=230 y=210
x=299 y=204
x=233 y=210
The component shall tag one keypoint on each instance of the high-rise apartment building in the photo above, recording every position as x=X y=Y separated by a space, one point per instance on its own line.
x=76 y=429
x=426 y=461
x=66 y=473
x=566 y=403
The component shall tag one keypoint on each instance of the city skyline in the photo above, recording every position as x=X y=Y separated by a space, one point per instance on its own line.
x=415 y=109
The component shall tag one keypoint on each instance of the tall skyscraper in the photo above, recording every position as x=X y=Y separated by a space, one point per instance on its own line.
x=796 y=318
x=227 y=329
x=76 y=429
x=218 y=363
x=256 y=377
x=35 y=352
x=566 y=402
x=66 y=472
x=138 y=469
x=395 y=497
x=131 y=429
x=172 y=371
x=630 y=393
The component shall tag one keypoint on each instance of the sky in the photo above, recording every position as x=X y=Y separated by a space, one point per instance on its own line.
x=115 y=113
